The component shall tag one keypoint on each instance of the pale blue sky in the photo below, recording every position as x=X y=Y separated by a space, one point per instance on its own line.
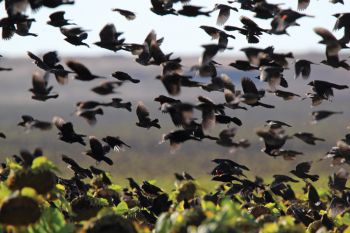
x=182 y=34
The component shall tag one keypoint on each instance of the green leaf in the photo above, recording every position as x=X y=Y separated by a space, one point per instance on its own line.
x=43 y=163
x=122 y=208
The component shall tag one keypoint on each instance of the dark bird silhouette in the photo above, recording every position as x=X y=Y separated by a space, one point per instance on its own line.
x=78 y=170
x=161 y=8
x=173 y=82
x=97 y=151
x=122 y=76
x=251 y=95
x=41 y=91
x=57 y=19
x=322 y=114
x=193 y=11
x=226 y=139
x=133 y=184
x=107 y=88
x=29 y=123
x=181 y=113
x=82 y=72
x=208 y=109
x=67 y=133
x=224 y=13
x=302 y=67
x=117 y=103
x=308 y=138
x=150 y=188
x=324 y=89
x=243 y=65
x=109 y=38
x=115 y=142
x=274 y=124
x=273 y=140
x=144 y=119
x=343 y=20
x=338 y=180
x=333 y=46
x=301 y=171
x=285 y=95
x=303 y=4
x=256 y=55
x=129 y=15
x=224 y=119
x=285 y=19
x=2 y=135
x=90 y=115
x=177 y=137
x=75 y=36
x=217 y=34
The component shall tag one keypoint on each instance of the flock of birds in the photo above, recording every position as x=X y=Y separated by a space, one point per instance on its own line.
x=269 y=64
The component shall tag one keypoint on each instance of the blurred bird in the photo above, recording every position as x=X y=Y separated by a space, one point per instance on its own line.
x=129 y=15
x=97 y=151
x=301 y=171
x=144 y=119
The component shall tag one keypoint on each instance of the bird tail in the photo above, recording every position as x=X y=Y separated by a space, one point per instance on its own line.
x=99 y=111
x=108 y=160
x=134 y=80
x=127 y=106
x=314 y=177
x=154 y=123
x=236 y=121
x=265 y=105
x=340 y=87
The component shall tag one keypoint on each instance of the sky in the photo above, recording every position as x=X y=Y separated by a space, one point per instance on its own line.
x=182 y=34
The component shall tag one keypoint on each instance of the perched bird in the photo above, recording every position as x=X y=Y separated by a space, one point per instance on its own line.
x=97 y=151
x=308 y=138
x=301 y=171
x=144 y=119
x=129 y=15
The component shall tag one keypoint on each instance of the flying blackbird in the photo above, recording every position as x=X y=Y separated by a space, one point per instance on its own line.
x=144 y=119
x=129 y=15
x=243 y=65
x=109 y=38
x=106 y=88
x=302 y=67
x=322 y=114
x=285 y=95
x=117 y=103
x=82 y=72
x=122 y=76
x=162 y=8
x=285 y=19
x=273 y=76
x=273 y=140
x=251 y=94
x=67 y=133
x=88 y=105
x=115 y=142
x=177 y=137
x=41 y=91
x=274 y=124
x=2 y=135
x=97 y=151
x=30 y=123
x=75 y=36
x=308 y=138
x=256 y=55
x=324 y=89
x=192 y=11
x=208 y=109
x=57 y=19
x=338 y=180
x=303 y=4
x=224 y=13
x=224 y=119
x=90 y=115
x=79 y=171
x=301 y=171
x=181 y=113
x=133 y=184
x=343 y=20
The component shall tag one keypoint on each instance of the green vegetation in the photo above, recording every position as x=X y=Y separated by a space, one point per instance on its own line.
x=34 y=198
